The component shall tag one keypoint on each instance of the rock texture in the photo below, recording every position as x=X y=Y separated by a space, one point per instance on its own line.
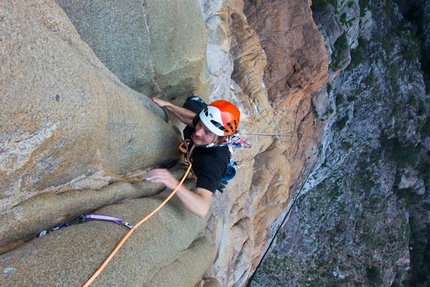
x=354 y=221
x=67 y=122
x=296 y=69
x=149 y=48
x=158 y=254
x=297 y=57
x=78 y=130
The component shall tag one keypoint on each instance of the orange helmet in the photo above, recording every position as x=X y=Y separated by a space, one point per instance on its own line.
x=221 y=117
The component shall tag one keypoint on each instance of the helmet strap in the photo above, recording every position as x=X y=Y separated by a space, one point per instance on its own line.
x=213 y=143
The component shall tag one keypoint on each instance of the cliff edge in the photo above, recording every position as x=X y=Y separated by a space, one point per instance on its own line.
x=78 y=130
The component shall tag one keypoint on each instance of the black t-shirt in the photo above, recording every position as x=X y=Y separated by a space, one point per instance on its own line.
x=209 y=166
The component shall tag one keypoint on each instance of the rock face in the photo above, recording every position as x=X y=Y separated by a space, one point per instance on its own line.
x=362 y=208
x=66 y=121
x=296 y=69
x=78 y=130
x=297 y=57
x=150 y=258
x=149 y=48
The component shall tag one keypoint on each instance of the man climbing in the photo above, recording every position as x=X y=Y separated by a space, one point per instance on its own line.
x=208 y=126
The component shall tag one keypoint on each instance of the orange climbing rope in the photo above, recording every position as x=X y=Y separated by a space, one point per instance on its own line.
x=121 y=243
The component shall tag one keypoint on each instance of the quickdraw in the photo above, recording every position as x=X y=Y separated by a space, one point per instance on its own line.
x=84 y=217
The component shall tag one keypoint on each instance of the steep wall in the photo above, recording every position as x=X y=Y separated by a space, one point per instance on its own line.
x=67 y=123
x=297 y=68
x=81 y=130
x=73 y=137
x=284 y=136
x=358 y=210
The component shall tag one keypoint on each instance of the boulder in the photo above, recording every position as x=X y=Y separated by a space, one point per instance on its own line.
x=160 y=252
x=66 y=122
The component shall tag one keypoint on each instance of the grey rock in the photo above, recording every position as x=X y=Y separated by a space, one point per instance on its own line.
x=149 y=257
x=154 y=47
x=66 y=122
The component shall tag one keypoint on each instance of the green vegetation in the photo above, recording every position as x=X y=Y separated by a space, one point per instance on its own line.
x=389 y=8
x=343 y=18
x=410 y=51
x=340 y=99
x=339 y=48
x=347 y=145
x=354 y=96
x=319 y=4
x=420 y=255
x=369 y=80
x=410 y=197
x=342 y=122
x=422 y=109
x=356 y=58
x=389 y=43
x=425 y=126
x=373 y=275
x=404 y=155
x=341 y=43
x=364 y=6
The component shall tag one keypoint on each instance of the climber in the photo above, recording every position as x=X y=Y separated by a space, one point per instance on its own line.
x=208 y=128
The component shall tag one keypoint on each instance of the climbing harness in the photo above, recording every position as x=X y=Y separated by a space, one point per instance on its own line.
x=234 y=141
x=84 y=217
x=121 y=243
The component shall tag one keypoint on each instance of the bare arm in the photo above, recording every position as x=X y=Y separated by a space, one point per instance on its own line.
x=184 y=115
x=197 y=202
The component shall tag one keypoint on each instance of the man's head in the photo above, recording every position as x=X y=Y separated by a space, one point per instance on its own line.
x=217 y=120
x=221 y=117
